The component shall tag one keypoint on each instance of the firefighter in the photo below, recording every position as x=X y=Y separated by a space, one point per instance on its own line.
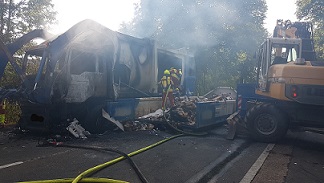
x=180 y=73
x=176 y=79
x=167 y=87
x=2 y=114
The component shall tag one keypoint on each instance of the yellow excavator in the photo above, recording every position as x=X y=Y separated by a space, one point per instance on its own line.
x=289 y=91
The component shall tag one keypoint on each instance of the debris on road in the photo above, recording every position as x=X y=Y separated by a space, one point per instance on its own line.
x=77 y=130
x=137 y=125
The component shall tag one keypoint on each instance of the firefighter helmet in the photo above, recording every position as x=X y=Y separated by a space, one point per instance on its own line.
x=167 y=72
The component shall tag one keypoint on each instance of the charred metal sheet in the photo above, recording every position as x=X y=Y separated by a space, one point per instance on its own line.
x=147 y=105
x=84 y=86
x=5 y=93
x=109 y=118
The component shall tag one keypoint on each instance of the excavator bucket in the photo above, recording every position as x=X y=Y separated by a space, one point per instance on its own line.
x=232 y=121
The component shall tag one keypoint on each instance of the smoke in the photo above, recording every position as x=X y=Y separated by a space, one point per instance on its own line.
x=194 y=23
x=192 y=20
x=208 y=17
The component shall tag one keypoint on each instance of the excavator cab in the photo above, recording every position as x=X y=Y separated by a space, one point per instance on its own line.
x=275 y=51
x=287 y=69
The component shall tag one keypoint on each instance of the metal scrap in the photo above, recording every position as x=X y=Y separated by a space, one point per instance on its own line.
x=182 y=114
x=77 y=130
x=109 y=118
x=137 y=125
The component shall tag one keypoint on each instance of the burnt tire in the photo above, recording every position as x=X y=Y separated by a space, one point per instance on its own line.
x=95 y=123
x=266 y=123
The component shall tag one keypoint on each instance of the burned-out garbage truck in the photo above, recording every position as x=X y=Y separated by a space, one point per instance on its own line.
x=89 y=68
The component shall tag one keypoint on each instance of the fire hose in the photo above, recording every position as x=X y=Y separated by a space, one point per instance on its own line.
x=83 y=177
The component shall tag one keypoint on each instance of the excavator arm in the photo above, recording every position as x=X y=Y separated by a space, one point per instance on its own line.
x=293 y=30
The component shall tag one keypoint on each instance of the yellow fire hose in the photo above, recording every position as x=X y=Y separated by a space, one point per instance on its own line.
x=69 y=180
x=99 y=167
x=82 y=177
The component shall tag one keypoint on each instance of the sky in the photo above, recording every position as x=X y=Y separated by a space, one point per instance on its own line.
x=280 y=9
x=111 y=13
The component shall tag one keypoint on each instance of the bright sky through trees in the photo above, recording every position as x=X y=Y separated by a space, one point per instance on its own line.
x=112 y=13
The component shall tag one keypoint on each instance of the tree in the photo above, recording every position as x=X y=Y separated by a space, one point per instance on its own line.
x=16 y=19
x=20 y=17
x=219 y=33
x=313 y=10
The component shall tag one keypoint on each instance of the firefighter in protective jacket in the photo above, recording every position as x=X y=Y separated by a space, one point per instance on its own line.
x=167 y=87
x=176 y=79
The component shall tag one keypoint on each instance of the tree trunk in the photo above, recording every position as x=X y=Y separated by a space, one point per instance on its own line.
x=2 y=9
x=9 y=17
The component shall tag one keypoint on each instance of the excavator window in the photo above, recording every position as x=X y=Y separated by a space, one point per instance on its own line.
x=284 y=54
x=279 y=60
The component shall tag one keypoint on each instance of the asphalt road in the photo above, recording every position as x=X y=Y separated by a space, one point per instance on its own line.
x=298 y=158
x=212 y=158
x=179 y=160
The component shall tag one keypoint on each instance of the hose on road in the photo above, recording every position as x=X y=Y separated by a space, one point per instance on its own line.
x=83 y=176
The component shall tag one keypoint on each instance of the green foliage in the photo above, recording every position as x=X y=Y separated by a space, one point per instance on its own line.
x=13 y=112
x=21 y=16
x=313 y=10
x=10 y=79
x=223 y=35
x=18 y=17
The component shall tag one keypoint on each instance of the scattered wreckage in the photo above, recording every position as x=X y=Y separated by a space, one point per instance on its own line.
x=190 y=113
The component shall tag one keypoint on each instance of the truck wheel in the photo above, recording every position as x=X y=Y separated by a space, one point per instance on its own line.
x=266 y=123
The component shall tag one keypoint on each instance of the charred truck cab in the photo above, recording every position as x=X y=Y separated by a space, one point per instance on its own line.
x=90 y=68
x=289 y=88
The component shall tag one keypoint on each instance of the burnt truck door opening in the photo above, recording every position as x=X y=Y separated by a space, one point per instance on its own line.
x=86 y=75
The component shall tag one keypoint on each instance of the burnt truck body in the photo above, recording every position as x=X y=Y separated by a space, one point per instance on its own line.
x=89 y=68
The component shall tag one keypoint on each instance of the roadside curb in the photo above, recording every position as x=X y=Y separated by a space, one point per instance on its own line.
x=209 y=171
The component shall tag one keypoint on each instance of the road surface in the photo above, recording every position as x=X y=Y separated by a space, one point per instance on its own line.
x=211 y=158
